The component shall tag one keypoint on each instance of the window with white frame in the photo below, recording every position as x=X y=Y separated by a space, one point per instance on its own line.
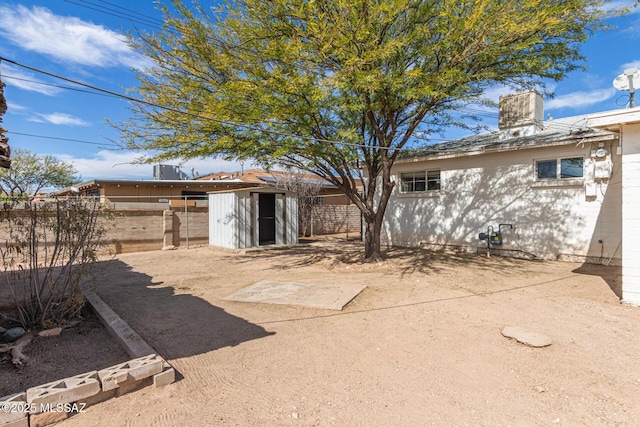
x=563 y=168
x=419 y=182
x=433 y=180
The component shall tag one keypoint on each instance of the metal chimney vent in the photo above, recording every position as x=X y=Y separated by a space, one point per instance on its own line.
x=521 y=109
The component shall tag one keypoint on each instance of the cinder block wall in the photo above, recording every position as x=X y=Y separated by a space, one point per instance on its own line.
x=330 y=219
x=139 y=230
x=143 y=230
x=193 y=224
x=136 y=231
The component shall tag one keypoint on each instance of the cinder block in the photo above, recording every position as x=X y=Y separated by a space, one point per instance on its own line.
x=97 y=398
x=67 y=390
x=134 y=386
x=19 y=414
x=112 y=380
x=165 y=377
x=46 y=418
x=133 y=370
x=122 y=332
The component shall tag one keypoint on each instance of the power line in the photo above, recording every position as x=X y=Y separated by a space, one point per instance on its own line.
x=464 y=110
x=57 y=86
x=62 y=139
x=478 y=112
x=151 y=18
x=151 y=22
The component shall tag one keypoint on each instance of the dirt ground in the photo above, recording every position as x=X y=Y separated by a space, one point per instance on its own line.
x=84 y=348
x=421 y=345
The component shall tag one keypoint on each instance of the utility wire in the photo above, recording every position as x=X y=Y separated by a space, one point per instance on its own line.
x=464 y=110
x=58 y=86
x=119 y=7
x=62 y=139
x=478 y=112
x=114 y=96
x=117 y=14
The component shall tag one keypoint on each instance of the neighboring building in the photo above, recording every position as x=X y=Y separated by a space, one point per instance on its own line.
x=147 y=191
x=554 y=185
x=162 y=190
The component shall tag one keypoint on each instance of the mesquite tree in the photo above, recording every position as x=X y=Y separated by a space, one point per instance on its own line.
x=340 y=87
x=31 y=172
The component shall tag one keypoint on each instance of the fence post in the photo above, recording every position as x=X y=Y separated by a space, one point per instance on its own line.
x=186 y=214
x=167 y=229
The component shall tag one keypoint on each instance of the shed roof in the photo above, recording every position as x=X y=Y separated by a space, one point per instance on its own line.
x=256 y=189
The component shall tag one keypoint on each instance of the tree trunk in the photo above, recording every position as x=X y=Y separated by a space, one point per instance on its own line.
x=373 y=226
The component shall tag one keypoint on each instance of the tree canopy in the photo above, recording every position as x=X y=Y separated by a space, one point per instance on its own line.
x=31 y=172
x=340 y=87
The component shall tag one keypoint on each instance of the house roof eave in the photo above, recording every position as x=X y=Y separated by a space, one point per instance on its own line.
x=603 y=137
x=611 y=120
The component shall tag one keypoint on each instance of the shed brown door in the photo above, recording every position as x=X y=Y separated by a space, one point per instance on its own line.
x=266 y=219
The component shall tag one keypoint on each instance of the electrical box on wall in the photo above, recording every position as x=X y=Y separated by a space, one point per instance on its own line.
x=602 y=164
x=602 y=168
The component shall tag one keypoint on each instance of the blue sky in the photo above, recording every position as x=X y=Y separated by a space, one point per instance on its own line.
x=72 y=39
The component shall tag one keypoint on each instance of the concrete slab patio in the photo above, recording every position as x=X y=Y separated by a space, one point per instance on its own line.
x=313 y=295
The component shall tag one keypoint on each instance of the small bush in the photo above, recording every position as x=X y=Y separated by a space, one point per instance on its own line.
x=49 y=254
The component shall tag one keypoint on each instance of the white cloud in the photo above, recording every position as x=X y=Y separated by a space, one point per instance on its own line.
x=12 y=107
x=618 y=4
x=15 y=77
x=496 y=92
x=580 y=99
x=632 y=64
x=66 y=38
x=60 y=119
x=117 y=164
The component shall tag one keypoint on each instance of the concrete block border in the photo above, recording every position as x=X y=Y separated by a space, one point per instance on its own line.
x=118 y=328
x=53 y=402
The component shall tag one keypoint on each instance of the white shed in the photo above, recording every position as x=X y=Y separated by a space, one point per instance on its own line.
x=252 y=217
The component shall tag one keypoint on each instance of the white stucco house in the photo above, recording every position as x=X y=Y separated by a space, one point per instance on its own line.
x=561 y=188
x=626 y=124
